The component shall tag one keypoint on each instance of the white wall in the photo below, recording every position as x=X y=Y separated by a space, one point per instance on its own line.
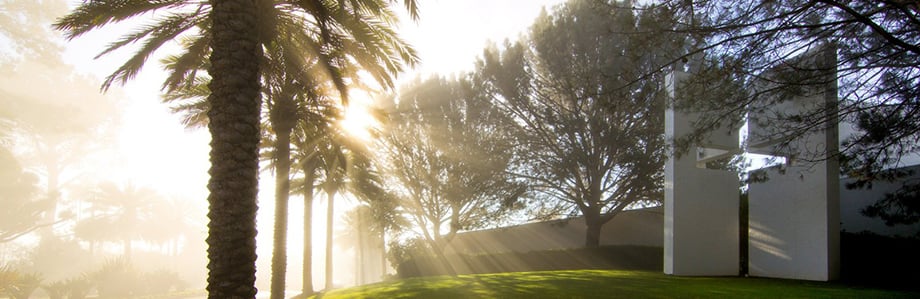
x=633 y=227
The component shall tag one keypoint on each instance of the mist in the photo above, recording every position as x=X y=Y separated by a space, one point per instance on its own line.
x=115 y=185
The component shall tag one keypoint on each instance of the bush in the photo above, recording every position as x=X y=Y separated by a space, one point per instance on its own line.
x=606 y=257
x=116 y=279
x=79 y=287
x=16 y=284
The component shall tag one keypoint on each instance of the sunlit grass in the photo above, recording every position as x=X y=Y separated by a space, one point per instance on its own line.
x=606 y=284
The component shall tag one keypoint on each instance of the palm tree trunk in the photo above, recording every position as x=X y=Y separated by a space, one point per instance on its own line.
x=282 y=191
x=309 y=169
x=360 y=249
x=234 y=126
x=383 y=254
x=329 y=214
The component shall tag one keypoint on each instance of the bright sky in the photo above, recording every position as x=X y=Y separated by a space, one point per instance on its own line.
x=155 y=150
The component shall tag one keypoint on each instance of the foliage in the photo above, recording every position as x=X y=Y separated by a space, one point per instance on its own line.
x=56 y=290
x=116 y=279
x=53 y=252
x=586 y=116
x=160 y=282
x=16 y=284
x=122 y=214
x=448 y=159
x=74 y=288
x=303 y=66
x=78 y=287
x=628 y=257
x=875 y=67
x=399 y=252
x=606 y=284
x=21 y=211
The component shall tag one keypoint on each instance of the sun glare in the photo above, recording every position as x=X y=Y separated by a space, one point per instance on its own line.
x=358 y=121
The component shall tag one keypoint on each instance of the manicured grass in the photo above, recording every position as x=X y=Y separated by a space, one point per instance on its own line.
x=605 y=284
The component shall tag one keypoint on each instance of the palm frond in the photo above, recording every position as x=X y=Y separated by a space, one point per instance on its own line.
x=154 y=41
x=184 y=67
x=95 y=14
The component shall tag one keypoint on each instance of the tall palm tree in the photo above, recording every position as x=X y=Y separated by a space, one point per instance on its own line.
x=235 y=31
x=311 y=135
x=346 y=167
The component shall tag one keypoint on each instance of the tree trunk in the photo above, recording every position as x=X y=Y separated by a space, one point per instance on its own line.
x=282 y=191
x=234 y=126
x=329 y=214
x=383 y=255
x=359 y=250
x=593 y=225
x=308 y=169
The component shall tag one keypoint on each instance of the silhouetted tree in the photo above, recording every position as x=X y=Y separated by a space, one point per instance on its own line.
x=21 y=213
x=123 y=213
x=592 y=140
x=876 y=66
x=447 y=160
x=54 y=129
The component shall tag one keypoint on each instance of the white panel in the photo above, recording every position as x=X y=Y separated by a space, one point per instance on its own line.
x=794 y=224
x=794 y=216
x=701 y=206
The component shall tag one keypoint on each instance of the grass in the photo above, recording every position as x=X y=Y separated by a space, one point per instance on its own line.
x=605 y=284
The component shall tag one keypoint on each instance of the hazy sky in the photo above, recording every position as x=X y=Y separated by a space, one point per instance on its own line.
x=155 y=150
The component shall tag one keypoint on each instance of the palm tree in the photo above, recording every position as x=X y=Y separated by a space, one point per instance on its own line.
x=235 y=31
x=124 y=212
x=346 y=167
x=360 y=230
x=312 y=134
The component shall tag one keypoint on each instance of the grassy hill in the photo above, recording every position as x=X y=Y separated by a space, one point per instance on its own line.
x=606 y=284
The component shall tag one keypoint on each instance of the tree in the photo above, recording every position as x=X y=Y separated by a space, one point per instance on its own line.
x=877 y=45
x=124 y=212
x=52 y=130
x=448 y=159
x=592 y=141
x=236 y=31
x=21 y=212
x=345 y=166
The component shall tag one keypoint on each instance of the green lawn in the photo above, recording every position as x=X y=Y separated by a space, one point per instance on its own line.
x=605 y=284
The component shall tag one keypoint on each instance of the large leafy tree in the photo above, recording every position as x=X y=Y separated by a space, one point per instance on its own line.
x=875 y=66
x=447 y=159
x=52 y=130
x=18 y=196
x=235 y=32
x=593 y=141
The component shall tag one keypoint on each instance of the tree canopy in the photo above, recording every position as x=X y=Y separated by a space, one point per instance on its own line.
x=588 y=124
x=447 y=159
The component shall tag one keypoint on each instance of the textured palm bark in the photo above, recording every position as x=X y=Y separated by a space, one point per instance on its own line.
x=234 y=126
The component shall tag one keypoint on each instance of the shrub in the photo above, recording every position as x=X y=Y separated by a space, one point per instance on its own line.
x=606 y=257
x=116 y=279
x=16 y=284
